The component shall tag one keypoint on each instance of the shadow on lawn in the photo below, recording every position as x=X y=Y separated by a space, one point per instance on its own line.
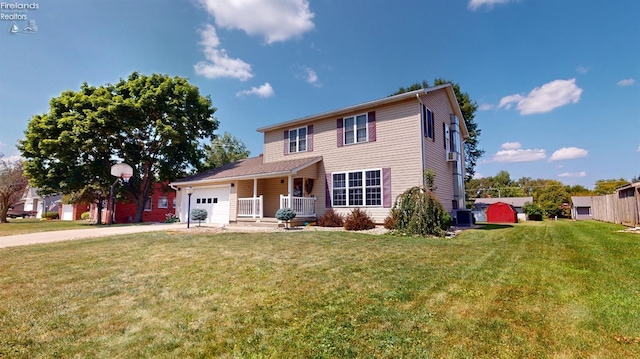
x=491 y=226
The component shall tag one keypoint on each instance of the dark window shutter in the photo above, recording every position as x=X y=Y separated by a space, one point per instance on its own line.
x=386 y=187
x=433 y=126
x=310 y=138
x=444 y=136
x=425 y=126
x=340 y=132
x=328 y=192
x=371 y=126
x=286 y=142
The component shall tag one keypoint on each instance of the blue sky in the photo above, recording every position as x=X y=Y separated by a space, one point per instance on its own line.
x=557 y=82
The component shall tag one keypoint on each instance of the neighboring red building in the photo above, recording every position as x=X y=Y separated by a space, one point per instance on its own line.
x=160 y=203
x=501 y=212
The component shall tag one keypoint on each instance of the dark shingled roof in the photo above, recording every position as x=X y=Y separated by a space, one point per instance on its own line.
x=249 y=167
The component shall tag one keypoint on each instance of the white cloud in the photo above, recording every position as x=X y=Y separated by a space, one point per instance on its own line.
x=485 y=107
x=3 y=144
x=568 y=153
x=573 y=174
x=475 y=4
x=478 y=175
x=544 y=98
x=219 y=64
x=263 y=91
x=511 y=146
x=519 y=155
x=626 y=82
x=276 y=20
x=312 y=77
x=582 y=69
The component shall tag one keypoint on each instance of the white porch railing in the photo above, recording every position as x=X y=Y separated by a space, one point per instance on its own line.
x=250 y=207
x=303 y=206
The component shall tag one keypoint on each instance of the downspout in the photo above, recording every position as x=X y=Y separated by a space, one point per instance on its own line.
x=421 y=138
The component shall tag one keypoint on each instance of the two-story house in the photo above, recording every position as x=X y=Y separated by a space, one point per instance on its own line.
x=358 y=156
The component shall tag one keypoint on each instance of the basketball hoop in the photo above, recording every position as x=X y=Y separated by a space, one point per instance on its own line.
x=124 y=172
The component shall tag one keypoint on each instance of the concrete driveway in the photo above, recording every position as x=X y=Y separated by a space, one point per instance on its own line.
x=57 y=236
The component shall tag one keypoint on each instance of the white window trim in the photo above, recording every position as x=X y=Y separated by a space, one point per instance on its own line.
x=166 y=199
x=364 y=188
x=297 y=141
x=355 y=129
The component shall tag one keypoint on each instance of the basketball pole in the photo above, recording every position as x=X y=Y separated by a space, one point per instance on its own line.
x=112 y=206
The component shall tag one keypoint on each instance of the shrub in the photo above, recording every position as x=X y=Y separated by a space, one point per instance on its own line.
x=198 y=214
x=391 y=221
x=358 y=220
x=285 y=214
x=171 y=218
x=331 y=218
x=419 y=212
x=533 y=211
x=50 y=215
x=85 y=216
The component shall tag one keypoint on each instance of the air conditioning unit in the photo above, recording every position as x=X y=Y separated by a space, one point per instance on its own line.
x=452 y=156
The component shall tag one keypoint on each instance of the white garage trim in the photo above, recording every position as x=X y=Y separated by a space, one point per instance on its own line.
x=213 y=199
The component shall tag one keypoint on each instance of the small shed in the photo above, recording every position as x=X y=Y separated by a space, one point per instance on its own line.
x=580 y=207
x=501 y=212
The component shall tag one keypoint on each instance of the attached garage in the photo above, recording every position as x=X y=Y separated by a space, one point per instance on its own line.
x=501 y=212
x=214 y=200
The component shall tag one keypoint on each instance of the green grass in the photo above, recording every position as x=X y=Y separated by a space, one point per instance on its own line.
x=24 y=226
x=550 y=289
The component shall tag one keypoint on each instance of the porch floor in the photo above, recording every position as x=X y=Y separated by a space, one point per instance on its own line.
x=269 y=222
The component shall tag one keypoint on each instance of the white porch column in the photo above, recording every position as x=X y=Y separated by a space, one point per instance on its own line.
x=290 y=188
x=255 y=194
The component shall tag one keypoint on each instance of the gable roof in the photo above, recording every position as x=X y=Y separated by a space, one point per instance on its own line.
x=379 y=102
x=514 y=201
x=581 y=201
x=250 y=168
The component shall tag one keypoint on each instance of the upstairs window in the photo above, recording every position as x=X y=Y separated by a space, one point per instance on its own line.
x=428 y=123
x=355 y=129
x=298 y=140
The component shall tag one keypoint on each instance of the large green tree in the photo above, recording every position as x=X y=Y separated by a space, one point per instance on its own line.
x=468 y=107
x=608 y=186
x=154 y=123
x=12 y=185
x=224 y=150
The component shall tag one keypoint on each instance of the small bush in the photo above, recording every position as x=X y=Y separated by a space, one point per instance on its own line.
x=285 y=214
x=391 y=221
x=198 y=214
x=171 y=218
x=533 y=211
x=358 y=220
x=50 y=215
x=85 y=216
x=331 y=218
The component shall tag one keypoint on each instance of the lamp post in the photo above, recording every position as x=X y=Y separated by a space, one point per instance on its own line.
x=189 y=193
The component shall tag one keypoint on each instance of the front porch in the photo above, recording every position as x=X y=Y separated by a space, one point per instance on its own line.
x=253 y=207
x=260 y=198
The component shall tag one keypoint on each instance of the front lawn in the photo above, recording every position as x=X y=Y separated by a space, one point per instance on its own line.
x=549 y=289
x=32 y=225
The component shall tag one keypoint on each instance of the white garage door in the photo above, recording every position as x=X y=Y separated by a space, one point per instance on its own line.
x=215 y=201
x=67 y=212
